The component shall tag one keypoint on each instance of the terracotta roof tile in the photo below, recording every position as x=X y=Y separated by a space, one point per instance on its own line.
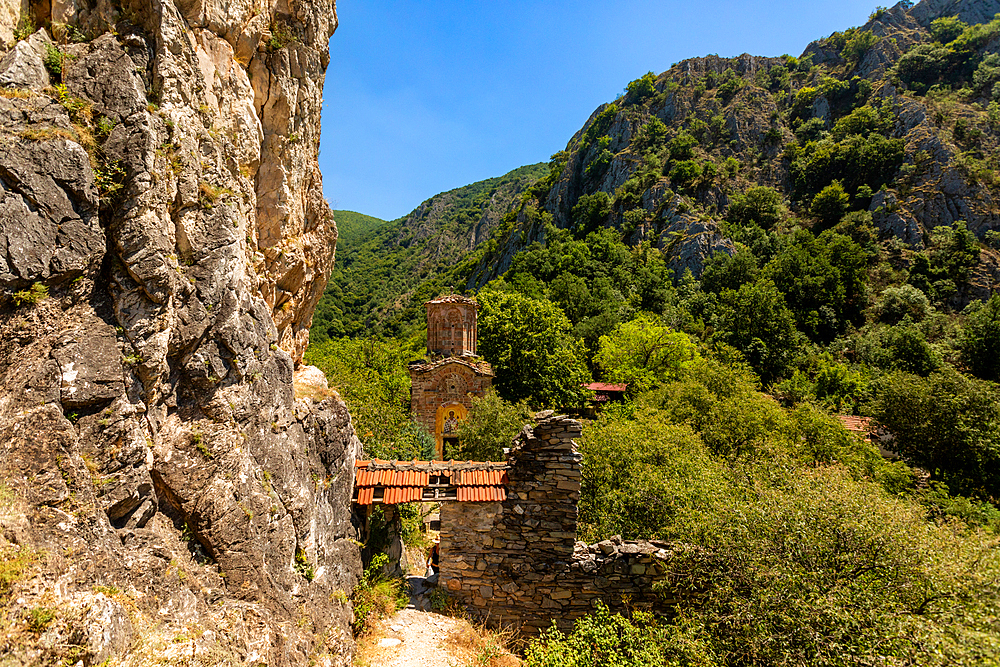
x=406 y=481
x=453 y=298
x=603 y=386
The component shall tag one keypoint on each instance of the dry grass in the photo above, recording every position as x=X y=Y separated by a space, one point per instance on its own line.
x=479 y=646
x=47 y=134
x=16 y=93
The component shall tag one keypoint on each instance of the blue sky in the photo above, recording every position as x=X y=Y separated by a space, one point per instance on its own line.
x=423 y=97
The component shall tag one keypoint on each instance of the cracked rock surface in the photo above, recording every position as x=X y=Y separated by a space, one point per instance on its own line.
x=163 y=243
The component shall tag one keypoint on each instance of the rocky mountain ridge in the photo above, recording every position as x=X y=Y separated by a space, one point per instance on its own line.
x=175 y=486
x=663 y=163
x=743 y=129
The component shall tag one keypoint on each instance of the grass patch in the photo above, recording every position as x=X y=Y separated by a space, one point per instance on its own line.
x=35 y=294
x=376 y=597
x=479 y=646
x=47 y=134
x=210 y=194
x=17 y=93
x=39 y=618
x=15 y=561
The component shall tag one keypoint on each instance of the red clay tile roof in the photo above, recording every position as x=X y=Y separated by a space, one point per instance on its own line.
x=453 y=298
x=480 y=367
x=602 y=386
x=860 y=425
x=393 y=482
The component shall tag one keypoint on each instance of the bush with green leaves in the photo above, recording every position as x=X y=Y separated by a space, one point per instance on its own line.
x=641 y=89
x=723 y=271
x=590 y=211
x=761 y=205
x=946 y=263
x=791 y=521
x=37 y=293
x=947 y=423
x=370 y=375
x=979 y=343
x=681 y=147
x=376 y=597
x=901 y=301
x=491 y=425
x=830 y=205
x=755 y=320
x=856 y=153
x=823 y=280
x=603 y=639
x=530 y=346
x=644 y=353
x=946 y=29
x=858 y=45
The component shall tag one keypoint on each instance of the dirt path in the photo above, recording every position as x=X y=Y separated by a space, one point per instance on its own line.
x=416 y=638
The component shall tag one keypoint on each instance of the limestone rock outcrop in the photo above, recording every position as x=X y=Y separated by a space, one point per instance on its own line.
x=163 y=491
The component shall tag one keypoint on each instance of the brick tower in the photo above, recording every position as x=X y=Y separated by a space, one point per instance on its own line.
x=441 y=391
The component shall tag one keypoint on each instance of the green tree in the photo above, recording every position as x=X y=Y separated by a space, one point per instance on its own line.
x=830 y=205
x=756 y=321
x=641 y=89
x=947 y=423
x=370 y=375
x=591 y=211
x=947 y=28
x=682 y=146
x=644 y=352
x=723 y=271
x=491 y=425
x=980 y=339
x=534 y=357
x=823 y=281
x=761 y=205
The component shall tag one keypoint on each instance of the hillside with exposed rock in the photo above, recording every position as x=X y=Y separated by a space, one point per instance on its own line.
x=173 y=486
x=665 y=163
x=382 y=279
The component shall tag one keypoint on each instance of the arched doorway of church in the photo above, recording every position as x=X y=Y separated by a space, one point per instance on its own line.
x=446 y=427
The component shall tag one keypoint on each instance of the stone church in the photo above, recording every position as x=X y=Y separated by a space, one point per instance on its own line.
x=442 y=389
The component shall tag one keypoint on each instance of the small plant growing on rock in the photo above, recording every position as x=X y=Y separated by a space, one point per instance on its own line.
x=281 y=37
x=25 y=26
x=104 y=126
x=303 y=566
x=198 y=440
x=109 y=178
x=39 y=619
x=53 y=59
x=14 y=564
x=37 y=293
x=375 y=596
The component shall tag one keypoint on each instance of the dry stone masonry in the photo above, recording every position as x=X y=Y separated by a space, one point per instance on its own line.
x=518 y=562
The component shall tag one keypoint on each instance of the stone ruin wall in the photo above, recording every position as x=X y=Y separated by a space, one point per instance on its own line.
x=518 y=562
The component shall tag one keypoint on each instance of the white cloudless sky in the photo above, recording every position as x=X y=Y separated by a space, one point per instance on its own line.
x=423 y=97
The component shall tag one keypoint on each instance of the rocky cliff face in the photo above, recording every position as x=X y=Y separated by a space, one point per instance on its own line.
x=164 y=242
x=750 y=117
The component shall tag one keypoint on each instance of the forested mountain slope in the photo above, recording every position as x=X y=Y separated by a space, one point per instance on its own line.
x=377 y=274
x=896 y=120
x=757 y=247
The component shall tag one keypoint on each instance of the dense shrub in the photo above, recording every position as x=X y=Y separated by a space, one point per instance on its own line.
x=980 y=339
x=948 y=423
x=760 y=205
